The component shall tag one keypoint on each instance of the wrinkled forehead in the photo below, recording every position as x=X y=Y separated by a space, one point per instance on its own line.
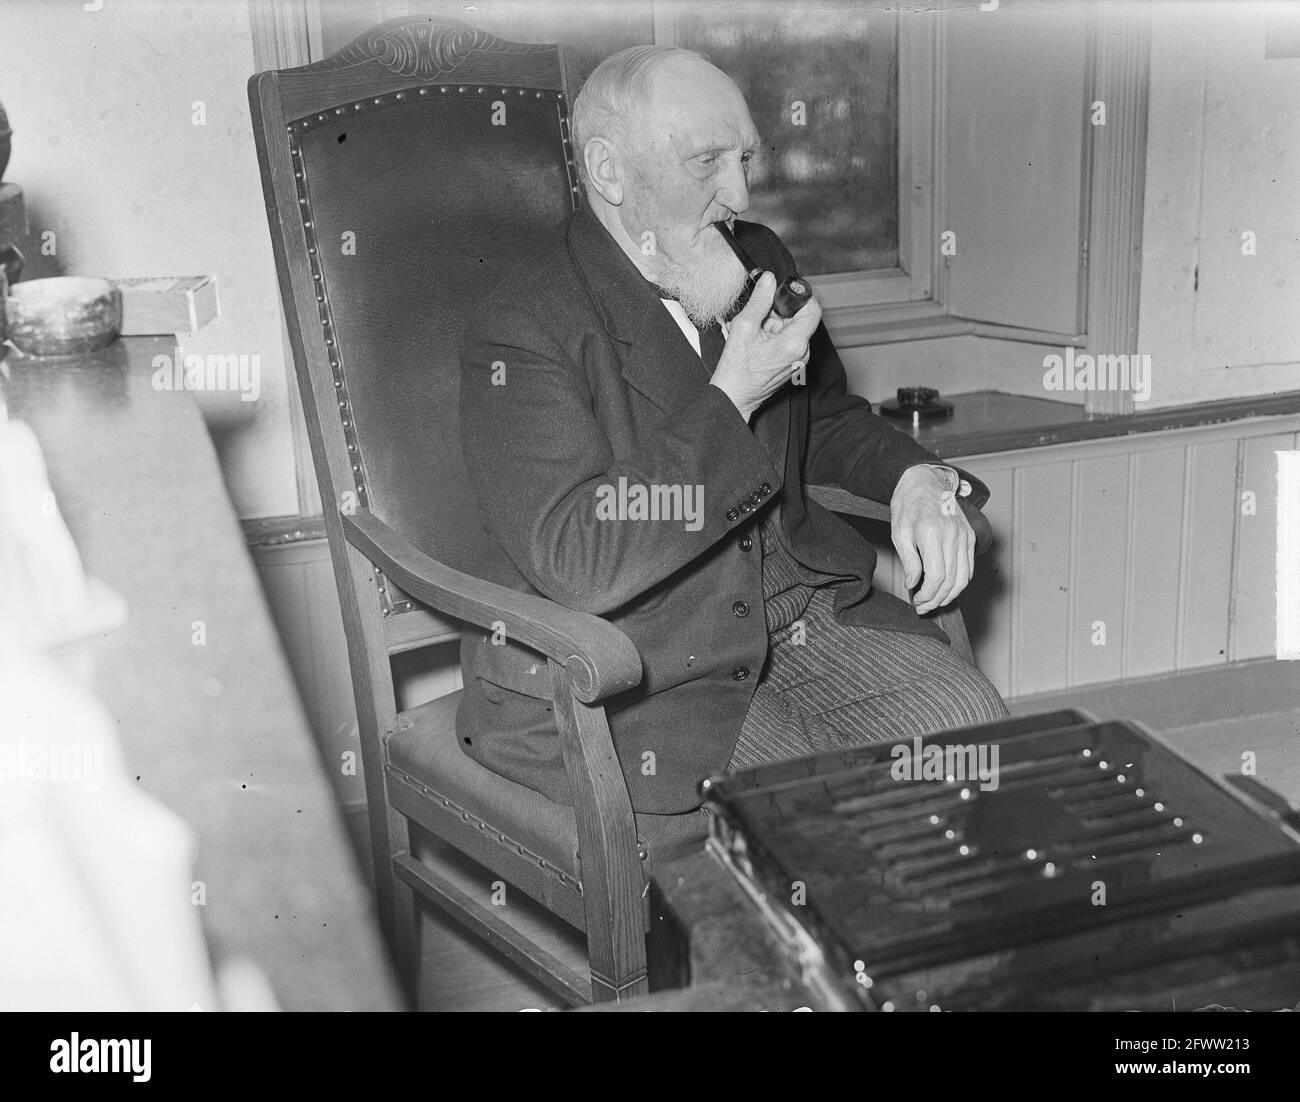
x=694 y=106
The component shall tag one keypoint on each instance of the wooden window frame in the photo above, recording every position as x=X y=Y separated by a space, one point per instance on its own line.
x=849 y=297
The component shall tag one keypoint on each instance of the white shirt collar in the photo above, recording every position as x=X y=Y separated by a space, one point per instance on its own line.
x=686 y=325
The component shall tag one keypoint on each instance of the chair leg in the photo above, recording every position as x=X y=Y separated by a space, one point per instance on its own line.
x=395 y=901
x=613 y=883
x=603 y=991
x=615 y=927
x=405 y=928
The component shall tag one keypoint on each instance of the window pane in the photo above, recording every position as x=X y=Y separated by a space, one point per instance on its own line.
x=828 y=187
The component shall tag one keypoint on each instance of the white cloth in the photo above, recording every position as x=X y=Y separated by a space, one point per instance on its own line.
x=97 y=883
x=98 y=903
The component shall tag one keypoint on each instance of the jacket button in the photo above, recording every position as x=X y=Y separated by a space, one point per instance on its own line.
x=740 y=673
x=755 y=498
x=732 y=514
x=744 y=507
x=740 y=608
x=765 y=489
x=745 y=542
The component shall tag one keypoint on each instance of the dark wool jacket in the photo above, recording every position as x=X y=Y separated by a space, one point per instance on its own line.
x=595 y=382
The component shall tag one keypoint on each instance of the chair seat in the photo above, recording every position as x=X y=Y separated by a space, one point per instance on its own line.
x=424 y=748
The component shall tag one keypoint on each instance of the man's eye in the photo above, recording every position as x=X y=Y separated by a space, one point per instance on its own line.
x=706 y=158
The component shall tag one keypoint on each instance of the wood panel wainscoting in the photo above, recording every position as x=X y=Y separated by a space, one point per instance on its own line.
x=1129 y=557
x=1120 y=554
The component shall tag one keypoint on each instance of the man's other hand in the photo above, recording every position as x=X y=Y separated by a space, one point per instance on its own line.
x=760 y=358
x=934 y=540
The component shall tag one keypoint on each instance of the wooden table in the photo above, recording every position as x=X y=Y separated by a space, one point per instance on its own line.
x=214 y=731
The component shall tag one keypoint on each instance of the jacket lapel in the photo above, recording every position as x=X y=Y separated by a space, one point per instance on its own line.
x=655 y=357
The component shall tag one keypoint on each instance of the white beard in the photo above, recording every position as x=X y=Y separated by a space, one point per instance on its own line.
x=706 y=289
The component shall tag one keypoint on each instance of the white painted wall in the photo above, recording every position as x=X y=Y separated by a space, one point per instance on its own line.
x=108 y=158
x=953 y=365
x=1223 y=157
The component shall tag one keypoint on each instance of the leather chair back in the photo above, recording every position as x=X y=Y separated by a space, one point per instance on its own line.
x=414 y=202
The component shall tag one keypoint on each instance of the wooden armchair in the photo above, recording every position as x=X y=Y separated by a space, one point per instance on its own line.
x=394 y=204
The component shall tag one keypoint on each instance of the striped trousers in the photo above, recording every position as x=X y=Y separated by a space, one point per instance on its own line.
x=827 y=685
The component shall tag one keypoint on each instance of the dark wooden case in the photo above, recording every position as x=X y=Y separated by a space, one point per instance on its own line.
x=1103 y=871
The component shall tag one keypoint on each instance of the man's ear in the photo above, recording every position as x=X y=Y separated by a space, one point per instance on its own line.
x=603 y=171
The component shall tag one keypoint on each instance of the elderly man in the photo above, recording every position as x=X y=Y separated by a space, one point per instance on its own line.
x=640 y=447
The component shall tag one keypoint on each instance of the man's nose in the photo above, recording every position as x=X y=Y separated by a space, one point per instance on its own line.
x=734 y=192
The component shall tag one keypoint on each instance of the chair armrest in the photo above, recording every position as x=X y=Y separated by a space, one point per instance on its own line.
x=600 y=659
x=839 y=500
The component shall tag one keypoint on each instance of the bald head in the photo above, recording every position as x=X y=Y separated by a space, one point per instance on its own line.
x=632 y=95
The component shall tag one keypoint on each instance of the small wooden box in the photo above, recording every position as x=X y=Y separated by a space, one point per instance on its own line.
x=160 y=305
